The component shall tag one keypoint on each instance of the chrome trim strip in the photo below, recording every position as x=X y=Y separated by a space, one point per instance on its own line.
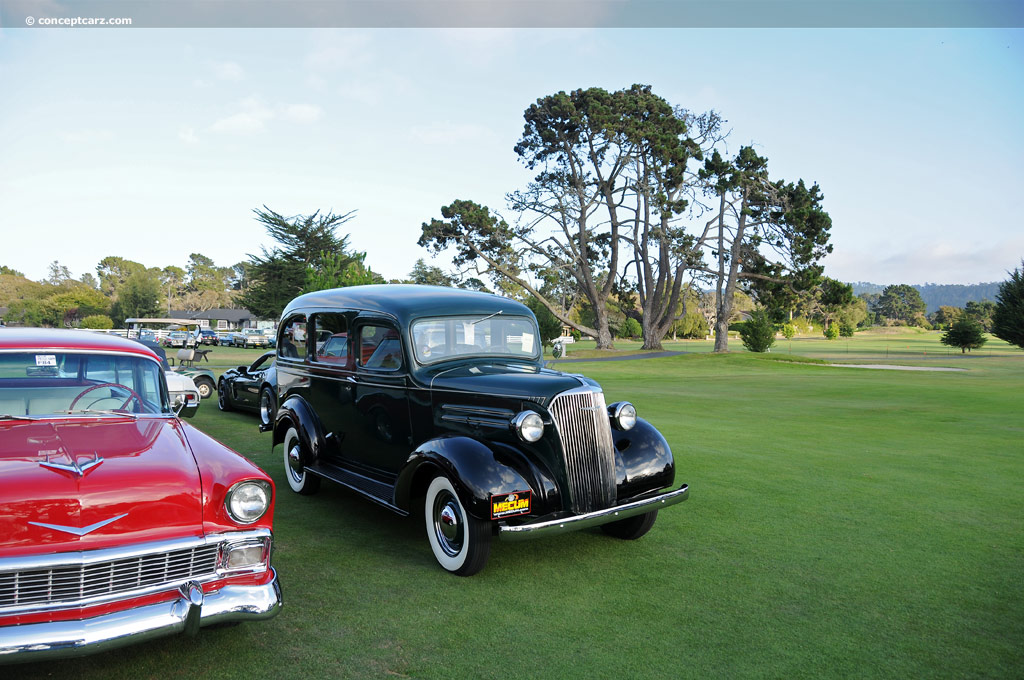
x=121 y=552
x=522 y=532
x=62 y=639
x=85 y=558
x=76 y=531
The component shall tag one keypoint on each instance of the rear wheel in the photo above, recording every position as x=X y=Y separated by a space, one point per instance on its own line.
x=298 y=479
x=224 y=399
x=461 y=542
x=631 y=528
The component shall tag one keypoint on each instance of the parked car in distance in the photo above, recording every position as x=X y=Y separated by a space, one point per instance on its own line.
x=208 y=337
x=248 y=337
x=181 y=339
x=121 y=522
x=438 y=396
x=251 y=388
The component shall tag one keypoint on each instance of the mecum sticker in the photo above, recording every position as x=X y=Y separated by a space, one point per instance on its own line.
x=46 y=360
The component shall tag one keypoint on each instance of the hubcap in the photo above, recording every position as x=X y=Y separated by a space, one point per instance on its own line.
x=295 y=463
x=448 y=526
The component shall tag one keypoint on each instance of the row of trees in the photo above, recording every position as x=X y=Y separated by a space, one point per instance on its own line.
x=964 y=328
x=121 y=288
x=309 y=256
x=635 y=196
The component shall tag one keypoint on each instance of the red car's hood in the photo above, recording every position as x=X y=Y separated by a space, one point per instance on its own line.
x=145 y=485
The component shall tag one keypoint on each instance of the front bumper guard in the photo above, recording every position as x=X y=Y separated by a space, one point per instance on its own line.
x=62 y=639
x=522 y=532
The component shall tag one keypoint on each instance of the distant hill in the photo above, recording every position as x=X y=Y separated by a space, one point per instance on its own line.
x=937 y=294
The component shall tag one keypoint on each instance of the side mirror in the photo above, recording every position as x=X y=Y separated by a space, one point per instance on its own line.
x=186 y=405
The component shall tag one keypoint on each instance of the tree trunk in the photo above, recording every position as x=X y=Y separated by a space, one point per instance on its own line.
x=604 y=334
x=722 y=332
x=652 y=340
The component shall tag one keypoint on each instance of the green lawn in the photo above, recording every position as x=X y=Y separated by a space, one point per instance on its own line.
x=841 y=523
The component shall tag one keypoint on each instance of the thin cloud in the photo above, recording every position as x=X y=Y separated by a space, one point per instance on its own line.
x=188 y=135
x=255 y=115
x=229 y=70
x=302 y=113
x=448 y=133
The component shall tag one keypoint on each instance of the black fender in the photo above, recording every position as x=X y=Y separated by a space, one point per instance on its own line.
x=477 y=470
x=296 y=412
x=643 y=460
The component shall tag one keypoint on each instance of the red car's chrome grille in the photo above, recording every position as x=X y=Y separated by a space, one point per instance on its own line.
x=75 y=584
x=581 y=419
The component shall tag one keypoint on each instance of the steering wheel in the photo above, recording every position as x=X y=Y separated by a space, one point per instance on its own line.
x=133 y=396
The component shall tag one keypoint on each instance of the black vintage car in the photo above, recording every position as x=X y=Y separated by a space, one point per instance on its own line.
x=250 y=388
x=416 y=395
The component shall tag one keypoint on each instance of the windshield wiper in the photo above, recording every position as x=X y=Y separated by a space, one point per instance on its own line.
x=102 y=412
x=485 y=318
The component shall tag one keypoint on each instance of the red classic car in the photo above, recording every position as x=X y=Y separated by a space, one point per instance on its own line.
x=118 y=521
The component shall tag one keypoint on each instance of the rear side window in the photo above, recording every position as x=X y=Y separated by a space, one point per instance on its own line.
x=379 y=348
x=292 y=341
x=331 y=338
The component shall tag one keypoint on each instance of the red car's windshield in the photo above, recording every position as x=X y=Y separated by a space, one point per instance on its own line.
x=54 y=383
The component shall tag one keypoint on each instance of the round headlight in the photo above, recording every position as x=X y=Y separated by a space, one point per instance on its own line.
x=248 y=501
x=623 y=415
x=529 y=426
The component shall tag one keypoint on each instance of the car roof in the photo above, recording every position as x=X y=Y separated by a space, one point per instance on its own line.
x=75 y=340
x=407 y=301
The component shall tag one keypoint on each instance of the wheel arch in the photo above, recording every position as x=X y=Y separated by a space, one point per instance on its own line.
x=471 y=465
x=646 y=459
x=296 y=412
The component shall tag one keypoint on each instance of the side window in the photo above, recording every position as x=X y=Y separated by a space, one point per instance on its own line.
x=379 y=347
x=331 y=338
x=291 y=343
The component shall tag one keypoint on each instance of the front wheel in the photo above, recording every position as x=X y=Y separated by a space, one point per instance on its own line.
x=298 y=479
x=631 y=528
x=461 y=542
x=205 y=387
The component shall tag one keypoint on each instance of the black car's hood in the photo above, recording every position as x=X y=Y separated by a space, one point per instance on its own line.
x=516 y=380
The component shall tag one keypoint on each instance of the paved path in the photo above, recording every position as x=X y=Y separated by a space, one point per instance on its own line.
x=892 y=367
x=627 y=357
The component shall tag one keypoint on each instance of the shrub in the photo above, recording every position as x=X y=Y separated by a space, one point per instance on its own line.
x=101 y=321
x=758 y=334
x=788 y=331
x=846 y=329
x=630 y=328
x=576 y=335
x=832 y=331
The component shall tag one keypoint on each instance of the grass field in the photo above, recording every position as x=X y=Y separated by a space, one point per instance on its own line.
x=841 y=523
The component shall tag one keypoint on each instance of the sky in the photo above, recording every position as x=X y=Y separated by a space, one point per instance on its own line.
x=151 y=144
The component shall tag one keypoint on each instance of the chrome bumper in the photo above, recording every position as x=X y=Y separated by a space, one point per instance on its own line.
x=522 y=532
x=60 y=639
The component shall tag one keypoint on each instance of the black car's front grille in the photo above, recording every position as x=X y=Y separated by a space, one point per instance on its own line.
x=65 y=585
x=581 y=419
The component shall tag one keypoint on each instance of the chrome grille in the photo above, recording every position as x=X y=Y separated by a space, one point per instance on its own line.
x=581 y=419
x=72 y=584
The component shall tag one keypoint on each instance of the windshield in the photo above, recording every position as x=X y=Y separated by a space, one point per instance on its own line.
x=500 y=336
x=61 y=383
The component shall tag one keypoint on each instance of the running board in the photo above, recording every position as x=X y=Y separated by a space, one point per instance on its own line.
x=377 y=491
